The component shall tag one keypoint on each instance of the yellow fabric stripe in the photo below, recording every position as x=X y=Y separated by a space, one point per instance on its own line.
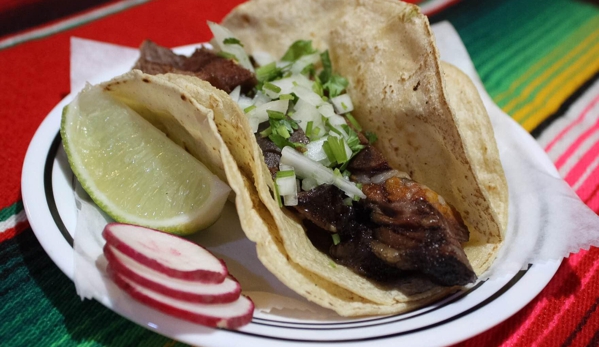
x=566 y=60
x=557 y=52
x=551 y=97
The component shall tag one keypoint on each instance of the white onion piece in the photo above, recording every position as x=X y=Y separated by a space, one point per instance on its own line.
x=260 y=115
x=315 y=152
x=262 y=58
x=260 y=99
x=286 y=185
x=290 y=200
x=304 y=113
x=271 y=93
x=308 y=95
x=244 y=102
x=304 y=168
x=308 y=183
x=220 y=34
x=342 y=103
x=283 y=167
x=327 y=110
x=304 y=61
x=254 y=124
x=286 y=84
x=235 y=93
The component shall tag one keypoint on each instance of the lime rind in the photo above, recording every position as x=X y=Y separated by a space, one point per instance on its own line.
x=133 y=172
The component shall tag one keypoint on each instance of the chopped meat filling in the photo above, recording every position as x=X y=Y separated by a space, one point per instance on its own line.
x=402 y=228
x=222 y=73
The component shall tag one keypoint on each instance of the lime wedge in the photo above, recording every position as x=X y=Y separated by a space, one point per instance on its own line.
x=133 y=172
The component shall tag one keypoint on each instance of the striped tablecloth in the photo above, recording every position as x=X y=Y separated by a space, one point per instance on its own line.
x=539 y=61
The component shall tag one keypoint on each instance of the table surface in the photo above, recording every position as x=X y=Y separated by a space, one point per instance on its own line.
x=538 y=59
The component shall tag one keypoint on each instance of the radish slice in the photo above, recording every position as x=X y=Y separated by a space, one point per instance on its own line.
x=192 y=291
x=231 y=315
x=166 y=253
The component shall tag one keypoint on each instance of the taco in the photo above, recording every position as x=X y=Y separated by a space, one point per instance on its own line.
x=432 y=129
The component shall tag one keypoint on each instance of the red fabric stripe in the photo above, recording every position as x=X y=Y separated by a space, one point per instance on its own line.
x=583 y=163
x=569 y=313
x=12 y=232
x=512 y=332
x=589 y=188
x=583 y=336
x=593 y=200
x=571 y=125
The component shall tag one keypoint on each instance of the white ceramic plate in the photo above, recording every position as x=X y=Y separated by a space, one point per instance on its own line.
x=47 y=190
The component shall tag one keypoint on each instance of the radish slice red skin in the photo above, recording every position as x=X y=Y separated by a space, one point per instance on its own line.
x=125 y=271
x=209 y=321
x=202 y=275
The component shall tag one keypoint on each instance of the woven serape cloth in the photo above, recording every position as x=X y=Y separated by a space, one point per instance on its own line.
x=538 y=60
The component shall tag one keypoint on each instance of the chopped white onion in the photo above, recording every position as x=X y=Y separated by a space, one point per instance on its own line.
x=260 y=115
x=326 y=110
x=220 y=35
x=260 y=99
x=244 y=102
x=304 y=61
x=342 y=103
x=308 y=183
x=286 y=84
x=304 y=113
x=286 y=185
x=262 y=58
x=307 y=95
x=304 y=168
x=315 y=152
x=235 y=93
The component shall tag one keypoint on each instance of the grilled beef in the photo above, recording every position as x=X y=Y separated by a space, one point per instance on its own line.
x=401 y=229
x=222 y=73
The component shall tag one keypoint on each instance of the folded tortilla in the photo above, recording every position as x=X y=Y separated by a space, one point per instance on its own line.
x=428 y=117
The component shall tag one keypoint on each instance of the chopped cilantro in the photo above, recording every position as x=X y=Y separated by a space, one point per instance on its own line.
x=335 y=85
x=327 y=71
x=227 y=55
x=317 y=88
x=268 y=72
x=353 y=121
x=285 y=173
x=232 y=41
x=271 y=87
x=297 y=50
x=286 y=97
x=249 y=108
x=336 y=239
x=371 y=137
x=272 y=114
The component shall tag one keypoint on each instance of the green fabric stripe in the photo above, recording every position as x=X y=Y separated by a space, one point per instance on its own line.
x=43 y=313
x=528 y=48
x=529 y=30
x=517 y=67
x=11 y=210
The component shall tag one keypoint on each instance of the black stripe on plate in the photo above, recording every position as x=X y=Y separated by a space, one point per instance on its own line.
x=49 y=190
x=65 y=233
x=490 y=299
x=388 y=319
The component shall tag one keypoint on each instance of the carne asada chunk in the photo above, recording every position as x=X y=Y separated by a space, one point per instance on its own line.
x=401 y=229
x=222 y=73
